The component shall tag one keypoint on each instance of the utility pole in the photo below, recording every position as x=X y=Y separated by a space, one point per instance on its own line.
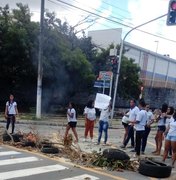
x=120 y=59
x=40 y=58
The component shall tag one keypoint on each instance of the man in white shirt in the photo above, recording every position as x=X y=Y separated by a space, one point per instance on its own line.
x=10 y=112
x=140 y=124
x=132 y=118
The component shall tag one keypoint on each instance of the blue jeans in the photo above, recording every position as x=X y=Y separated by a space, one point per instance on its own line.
x=103 y=126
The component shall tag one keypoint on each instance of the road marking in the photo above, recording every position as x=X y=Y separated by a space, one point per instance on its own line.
x=30 y=171
x=82 y=177
x=5 y=153
x=18 y=160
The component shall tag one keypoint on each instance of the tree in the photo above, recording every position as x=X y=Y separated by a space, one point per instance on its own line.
x=129 y=82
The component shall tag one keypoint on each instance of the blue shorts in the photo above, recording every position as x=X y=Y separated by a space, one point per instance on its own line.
x=162 y=128
x=171 y=138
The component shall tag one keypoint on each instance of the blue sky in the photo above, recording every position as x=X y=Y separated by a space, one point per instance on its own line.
x=128 y=12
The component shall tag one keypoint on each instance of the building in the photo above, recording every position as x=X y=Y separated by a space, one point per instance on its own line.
x=158 y=72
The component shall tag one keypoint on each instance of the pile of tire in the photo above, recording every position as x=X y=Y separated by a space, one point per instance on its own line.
x=115 y=154
x=153 y=168
x=16 y=137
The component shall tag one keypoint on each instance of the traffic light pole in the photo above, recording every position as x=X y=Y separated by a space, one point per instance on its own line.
x=120 y=59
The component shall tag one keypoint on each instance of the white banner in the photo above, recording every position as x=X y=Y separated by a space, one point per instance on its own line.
x=102 y=101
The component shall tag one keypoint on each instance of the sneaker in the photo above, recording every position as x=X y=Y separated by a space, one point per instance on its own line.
x=142 y=152
x=130 y=147
x=133 y=150
x=122 y=146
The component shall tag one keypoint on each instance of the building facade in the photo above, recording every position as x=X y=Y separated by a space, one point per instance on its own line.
x=158 y=72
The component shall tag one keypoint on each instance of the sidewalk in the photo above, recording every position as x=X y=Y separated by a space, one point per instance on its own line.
x=61 y=121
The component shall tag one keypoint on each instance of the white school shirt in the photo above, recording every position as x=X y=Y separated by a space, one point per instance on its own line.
x=91 y=113
x=161 y=121
x=71 y=119
x=104 y=115
x=141 y=120
x=172 y=129
x=133 y=113
x=11 y=107
x=150 y=117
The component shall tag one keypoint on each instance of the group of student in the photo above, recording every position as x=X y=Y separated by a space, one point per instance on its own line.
x=139 y=119
x=90 y=120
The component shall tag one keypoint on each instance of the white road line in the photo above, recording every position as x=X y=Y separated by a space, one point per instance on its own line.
x=5 y=153
x=82 y=177
x=30 y=171
x=18 y=160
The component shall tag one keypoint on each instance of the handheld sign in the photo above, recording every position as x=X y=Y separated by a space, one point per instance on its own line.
x=102 y=101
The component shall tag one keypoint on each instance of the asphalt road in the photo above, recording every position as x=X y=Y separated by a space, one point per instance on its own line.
x=115 y=139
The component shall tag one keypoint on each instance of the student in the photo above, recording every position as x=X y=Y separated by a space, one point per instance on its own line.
x=140 y=124
x=125 y=121
x=161 y=119
x=90 y=117
x=150 y=120
x=104 y=124
x=72 y=121
x=10 y=113
x=132 y=118
x=171 y=139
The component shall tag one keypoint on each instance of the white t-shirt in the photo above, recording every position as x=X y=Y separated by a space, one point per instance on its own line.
x=141 y=120
x=161 y=121
x=125 y=118
x=91 y=113
x=71 y=119
x=104 y=115
x=11 y=107
x=168 y=120
x=150 y=117
x=172 y=129
x=133 y=113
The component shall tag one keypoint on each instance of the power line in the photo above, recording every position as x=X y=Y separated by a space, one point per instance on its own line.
x=111 y=20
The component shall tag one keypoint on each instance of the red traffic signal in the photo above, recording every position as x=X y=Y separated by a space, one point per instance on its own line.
x=171 y=16
x=173 y=5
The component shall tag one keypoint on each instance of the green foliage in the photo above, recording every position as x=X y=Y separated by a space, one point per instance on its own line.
x=70 y=64
x=129 y=82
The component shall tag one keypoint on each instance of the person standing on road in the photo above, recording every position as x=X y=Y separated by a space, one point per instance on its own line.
x=11 y=112
x=125 y=121
x=132 y=118
x=150 y=120
x=90 y=118
x=140 y=124
x=161 y=119
x=171 y=139
x=72 y=121
x=104 y=124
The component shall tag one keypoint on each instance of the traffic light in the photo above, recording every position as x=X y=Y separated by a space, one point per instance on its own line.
x=114 y=64
x=171 y=16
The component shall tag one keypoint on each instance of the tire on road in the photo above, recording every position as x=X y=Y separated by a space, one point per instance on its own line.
x=29 y=143
x=6 y=137
x=115 y=154
x=50 y=150
x=154 y=168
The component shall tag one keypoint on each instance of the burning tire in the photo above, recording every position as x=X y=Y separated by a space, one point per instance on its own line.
x=154 y=169
x=115 y=154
